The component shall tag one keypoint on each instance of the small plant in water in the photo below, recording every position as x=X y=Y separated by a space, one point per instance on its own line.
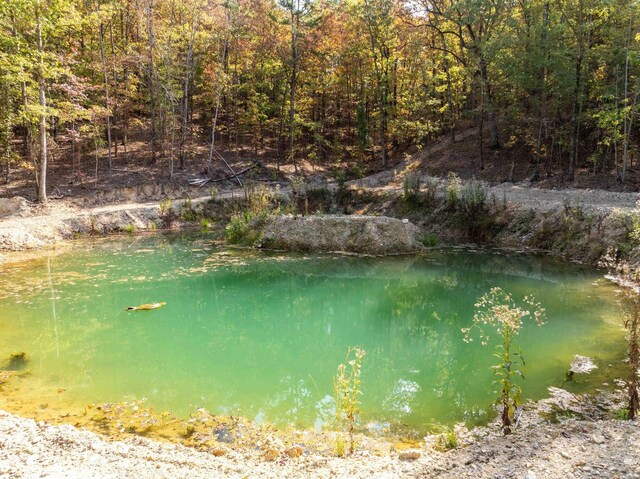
x=346 y=387
x=18 y=361
x=498 y=311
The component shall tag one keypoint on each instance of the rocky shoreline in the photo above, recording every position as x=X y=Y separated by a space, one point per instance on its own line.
x=591 y=447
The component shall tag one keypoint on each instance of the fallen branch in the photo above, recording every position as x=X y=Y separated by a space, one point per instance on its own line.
x=235 y=175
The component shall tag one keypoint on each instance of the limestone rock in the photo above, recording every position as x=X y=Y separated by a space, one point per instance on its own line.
x=12 y=206
x=376 y=235
x=582 y=365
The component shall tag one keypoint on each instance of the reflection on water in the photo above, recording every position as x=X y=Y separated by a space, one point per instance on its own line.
x=261 y=334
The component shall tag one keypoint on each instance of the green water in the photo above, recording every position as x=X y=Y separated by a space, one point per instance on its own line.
x=261 y=334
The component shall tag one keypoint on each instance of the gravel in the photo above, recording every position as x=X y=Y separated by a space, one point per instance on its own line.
x=538 y=449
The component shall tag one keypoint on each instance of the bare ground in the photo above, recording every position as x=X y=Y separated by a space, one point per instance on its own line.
x=538 y=449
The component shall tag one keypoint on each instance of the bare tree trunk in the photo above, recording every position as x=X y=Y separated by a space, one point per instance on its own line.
x=151 y=79
x=106 y=95
x=115 y=96
x=221 y=59
x=490 y=107
x=628 y=119
x=26 y=139
x=195 y=22
x=41 y=175
x=294 y=78
x=481 y=125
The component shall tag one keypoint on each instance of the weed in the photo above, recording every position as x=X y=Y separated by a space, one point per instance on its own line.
x=452 y=188
x=497 y=310
x=629 y=277
x=130 y=228
x=244 y=228
x=166 y=207
x=411 y=186
x=429 y=240
x=260 y=199
x=187 y=212
x=473 y=197
x=340 y=446
x=213 y=193
x=430 y=190
x=205 y=223
x=620 y=414
x=346 y=387
x=446 y=438
x=631 y=322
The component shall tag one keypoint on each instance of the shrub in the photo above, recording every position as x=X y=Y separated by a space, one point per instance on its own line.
x=629 y=278
x=473 y=198
x=498 y=311
x=187 y=212
x=452 y=188
x=411 y=186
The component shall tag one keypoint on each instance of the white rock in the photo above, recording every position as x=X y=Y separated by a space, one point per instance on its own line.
x=582 y=365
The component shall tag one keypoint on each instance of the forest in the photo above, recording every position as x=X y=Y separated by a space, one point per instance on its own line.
x=349 y=84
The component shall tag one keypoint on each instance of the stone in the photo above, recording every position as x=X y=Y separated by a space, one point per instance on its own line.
x=12 y=206
x=294 y=451
x=530 y=475
x=582 y=365
x=270 y=454
x=219 y=451
x=409 y=455
x=598 y=439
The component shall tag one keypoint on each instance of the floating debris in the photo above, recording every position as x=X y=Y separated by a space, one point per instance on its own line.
x=146 y=307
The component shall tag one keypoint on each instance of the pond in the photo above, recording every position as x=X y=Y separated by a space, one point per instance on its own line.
x=260 y=334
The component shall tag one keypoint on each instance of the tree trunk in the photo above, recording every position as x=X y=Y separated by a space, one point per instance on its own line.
x=151 y=79
x=490 y=107
x=41 y=171
x=106 y=95
x=292 y=91
x=187 y=80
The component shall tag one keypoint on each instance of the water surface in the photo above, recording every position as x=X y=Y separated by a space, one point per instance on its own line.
x=261 y=334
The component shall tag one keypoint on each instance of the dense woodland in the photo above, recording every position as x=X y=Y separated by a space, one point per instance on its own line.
x=318 y=81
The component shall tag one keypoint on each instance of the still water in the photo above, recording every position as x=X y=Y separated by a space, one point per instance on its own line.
x=261 y=334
